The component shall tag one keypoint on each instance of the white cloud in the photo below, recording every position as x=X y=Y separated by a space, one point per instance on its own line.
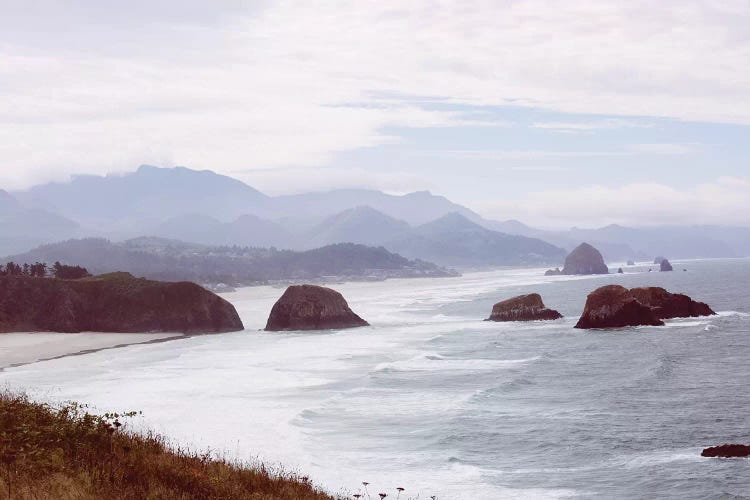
x=725 y=201
x=591 y=126
x=239 y=85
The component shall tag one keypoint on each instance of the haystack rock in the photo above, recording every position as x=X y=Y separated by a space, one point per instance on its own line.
x=613 y=306
x=665 y=266
x=666 y=305
x=523 y=308
x=115 y=302
x=727 y=451
x=311 y=307
x=585 y=259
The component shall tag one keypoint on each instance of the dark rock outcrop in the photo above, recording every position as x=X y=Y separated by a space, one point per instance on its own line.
x=116 y=302
x=620 y=271
x=727 y=451
x=585 y=259
x=311 y=307
x=523 y=308
x=613 y=306
x=666 y=305
x=553 y=272
x=659 y=259
x=665 y=266
x=631 y=263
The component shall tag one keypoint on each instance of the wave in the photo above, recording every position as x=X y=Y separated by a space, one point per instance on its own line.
x=431 y=361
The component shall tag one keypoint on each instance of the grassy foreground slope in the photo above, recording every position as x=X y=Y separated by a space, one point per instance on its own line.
x=66 y=453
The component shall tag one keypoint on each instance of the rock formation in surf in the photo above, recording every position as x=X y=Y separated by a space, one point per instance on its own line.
x=115 y=302
x=615 y=306
x=665 y=266
x=620 y=271
x=631 y=263
x=585 y=259
x=523 y=308
x=553 y=272
x=659 y=259
x=666 y=305
x=311 y=307
x=727 y=451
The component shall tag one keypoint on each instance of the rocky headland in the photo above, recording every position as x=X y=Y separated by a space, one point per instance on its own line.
x=312 y=307
x=115 y=302
x=523 y=308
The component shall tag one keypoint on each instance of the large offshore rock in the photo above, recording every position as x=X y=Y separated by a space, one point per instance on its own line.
x=311 y=307
x=613 y=306
x=585 y=259
x=523 y=308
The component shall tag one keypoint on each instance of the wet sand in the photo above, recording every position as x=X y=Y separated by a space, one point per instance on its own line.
x=23 y=348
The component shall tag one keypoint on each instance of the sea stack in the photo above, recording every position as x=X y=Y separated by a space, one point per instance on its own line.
x=665 y=266
x=311 y=307
x=523 y=308
x=615 y=306
x=659 y=259
x=585 y=259
x=553 y=272
x=115 y=302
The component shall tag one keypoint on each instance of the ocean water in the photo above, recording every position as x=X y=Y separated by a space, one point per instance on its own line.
x=435 y=400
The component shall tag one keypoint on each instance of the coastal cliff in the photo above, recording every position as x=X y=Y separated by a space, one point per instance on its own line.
x=115 y=302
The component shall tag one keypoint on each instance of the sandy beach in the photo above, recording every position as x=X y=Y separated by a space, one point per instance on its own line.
x=27 y=347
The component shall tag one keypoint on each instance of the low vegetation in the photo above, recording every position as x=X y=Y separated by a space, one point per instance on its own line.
x=67 y=453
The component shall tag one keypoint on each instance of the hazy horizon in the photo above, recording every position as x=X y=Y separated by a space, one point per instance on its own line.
x=518 y=110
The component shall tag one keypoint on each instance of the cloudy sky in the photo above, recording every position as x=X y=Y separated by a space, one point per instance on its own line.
x=553 y=112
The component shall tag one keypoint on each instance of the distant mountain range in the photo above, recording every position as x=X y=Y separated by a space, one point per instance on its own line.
x=211 y=209
x=163 y=259
x=22 y=227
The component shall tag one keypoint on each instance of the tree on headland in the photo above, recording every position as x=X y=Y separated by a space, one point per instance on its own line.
x=65 y=272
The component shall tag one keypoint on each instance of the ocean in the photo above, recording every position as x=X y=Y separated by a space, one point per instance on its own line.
x=433 y=399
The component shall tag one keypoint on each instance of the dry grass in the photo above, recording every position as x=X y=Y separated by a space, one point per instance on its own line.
x=66 y=453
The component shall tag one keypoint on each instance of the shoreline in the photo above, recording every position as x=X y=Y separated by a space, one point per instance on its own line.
x=25 y=348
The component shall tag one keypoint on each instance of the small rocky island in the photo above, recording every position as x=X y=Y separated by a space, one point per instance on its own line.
x=523 y=308
x=665 y=266
x=584 y=259
x=614 y=306
x=115 y=302
x=311 y=307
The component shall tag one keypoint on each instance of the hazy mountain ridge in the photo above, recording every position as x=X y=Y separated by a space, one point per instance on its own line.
x=213 y=209
x=454 y=240
x=171 y=260
x=22 y=227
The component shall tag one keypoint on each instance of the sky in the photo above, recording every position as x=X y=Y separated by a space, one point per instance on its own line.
x=556 y=113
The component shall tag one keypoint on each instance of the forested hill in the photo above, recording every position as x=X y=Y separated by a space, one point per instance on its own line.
x=171 y=260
